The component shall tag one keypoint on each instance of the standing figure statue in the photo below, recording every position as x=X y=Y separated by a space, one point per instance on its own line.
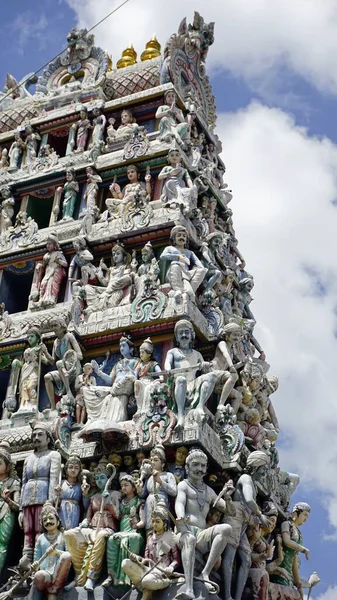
x=30 y=370
x=69 y=493
x=172 y=123
x=87 y=542
x=48 y=275
x=178 y=189
x=52 y=572
x=41 y=475
x=70 y=191
x=4 y=162
x=262 y=550
x=130 y=536
x=31 y=145
x=292 y=546
x=81 y=268
x=161 y=558
x=91 y=192
x=186 y=272
x=229 y=357
x=79 y=132
x=16 y=151
x=124 y=131
x=192 y=506
x=99 y=121
x=178 y=467
x=63 y=379
x=9 y=500
x=190 y=391
x=116 y=286
x=108 y=404
x=84 y=380
x=160 y=485
x=245 y=504
x=145 y=366
x=6 y=209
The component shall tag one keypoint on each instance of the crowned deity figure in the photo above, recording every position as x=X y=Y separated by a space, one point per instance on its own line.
x=69 y=493
x=91 y=192
x=79 y=132
x=41 y=475
x=70 y=191
x=48 y=275
x=172 y=123
x=135 y=192
x=99 y=122
x=31 y=145
x=178 y=190
x=16 y=151
x=124 y=131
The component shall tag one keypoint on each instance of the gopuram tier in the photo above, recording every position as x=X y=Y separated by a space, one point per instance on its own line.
x=138 y=452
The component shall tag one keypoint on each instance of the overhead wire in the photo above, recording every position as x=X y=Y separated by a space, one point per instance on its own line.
x=10 y=92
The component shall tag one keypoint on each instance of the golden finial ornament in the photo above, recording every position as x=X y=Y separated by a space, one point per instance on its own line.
x=152 y=49
x=109 y=61
x=128 y=58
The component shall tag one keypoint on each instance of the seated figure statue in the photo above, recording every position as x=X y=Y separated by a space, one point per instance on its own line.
x=190 y=391
x=172 y=124
x=124 y=131
x=186 y=272
x=178 y=189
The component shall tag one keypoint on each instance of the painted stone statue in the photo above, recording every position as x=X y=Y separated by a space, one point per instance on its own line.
x=178 y=190
x=16 y=151
x=87 y=543
x=145 y=367
x=70 y=192
x=194 y=499
x=69 y=494
x=124 y=131
x=178 y=467
x=9 y=500
x=48 y=275
x=79 y=132
x=228 y=358
x=83 y=380
x=190 y=391
x=160 y=485
x=52 y=572
x=134 y=191
x=172 y=123
x=186 y=272
x=99 y=122
x=41 y=475
x=161 y=557
x=31 y=146
x=91 y=192
x=130 y=536
x=81 y=268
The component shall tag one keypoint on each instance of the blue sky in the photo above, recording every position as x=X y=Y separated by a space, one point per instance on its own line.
x=273 y=73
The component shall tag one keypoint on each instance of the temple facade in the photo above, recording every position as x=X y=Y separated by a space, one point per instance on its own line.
x=138 y=436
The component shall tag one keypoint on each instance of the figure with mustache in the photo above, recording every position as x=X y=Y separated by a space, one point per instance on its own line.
x=192 y=506
x=49 y=580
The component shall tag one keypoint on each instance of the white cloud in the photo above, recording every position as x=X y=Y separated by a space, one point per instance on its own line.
x=28 y=28
x=284 y=183
x=253 y=37
x=330 y=594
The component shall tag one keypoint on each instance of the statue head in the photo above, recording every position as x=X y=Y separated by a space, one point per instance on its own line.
x=246 y=284
x=127 y=484
x=133 y=173
x=127 y=117
x=116 y=460
x=179 y=234
x=79 y=243
x=126 y=346
x=181 y=455
x=158 y=457
x=6 y=464
x=50 y=521
x=146 y=350
x=147 y=253
x=83 y=112
x=42 y=437
x=257 y=465
x=33 y=336
x=73 y=468
x=59 y=326
x=119 y=255
x=70 y=175
x=184 y=334
x=196 y=465
x=232 y=332
x=174 y=156
x=170 y=97
x=300 y=512
x=52 y=242
x=160 y=518
x=103 y=472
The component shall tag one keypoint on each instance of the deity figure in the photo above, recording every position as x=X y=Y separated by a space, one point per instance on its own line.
x=186 y=272
x=69 y=494
x=129 y=538
x=128 y=463
x=6 y=208
x=134 y=191
x=30 y=370
x=4 y=162
x=262 y=551
x=52 y=572
x=190 y=391
x=178 y=467
x=178 y=189
x=31 y=144
x=91 y=192
x=99 y=121
x=160 y=485
x=16 y=151
x=116 y=286
x=124 y=131
x=148 y=271
x=84 y=380
x=292 y=545
x=65 y=350
x=265 y=407
x=87 y=542
x=48 y=275
x=229 y=357
x=41 y=475
x=70 y=191
x=172 y=123
x=81 y=268
x=161 y=558
x=215 y=257
x=192 y=506
x=145 y=365
x=108 y=404
x=244 y=499
x=79 y=132
x=9 y=500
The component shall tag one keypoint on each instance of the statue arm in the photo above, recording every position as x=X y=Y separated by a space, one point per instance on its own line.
x=273 y=416
x=170 y=253
x=225 y=353
x=248 y=493
x=61 y=260
x=169 y=361
x=168 y=482
x=195 y=260
x=37 y=551
x=164 y=173
x=287 y=541
x=75 y=346
x=46 y=358
x=54 y=474
x=296 y=575
x=180 y=503
x=162 y=111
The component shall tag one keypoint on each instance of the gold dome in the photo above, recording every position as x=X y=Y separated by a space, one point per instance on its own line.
x=152 y=49
x=128 y=58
